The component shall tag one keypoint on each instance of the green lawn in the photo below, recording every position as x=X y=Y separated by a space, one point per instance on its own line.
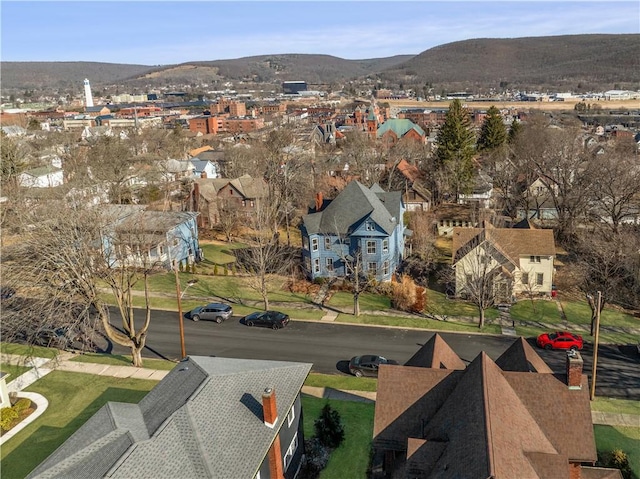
x=73 y=398
x=368 y=301
x=351 y=459
x=13 y=370
x=336 y=381
x=623 y=406
x=618 y=437
x=538 y=310
x=118 y=360
x=421 y=323
x=28 y=351
x=439 y=304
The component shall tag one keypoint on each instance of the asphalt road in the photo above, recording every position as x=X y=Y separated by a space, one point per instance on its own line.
x=330 y=345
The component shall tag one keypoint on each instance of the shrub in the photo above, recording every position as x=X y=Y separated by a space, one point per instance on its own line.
x=315 y=459
x=404 y=294
x=215 y=269
x=21 y=405
x=617 y=459
x=328 y=427
x=7 y=416
x=226 y=269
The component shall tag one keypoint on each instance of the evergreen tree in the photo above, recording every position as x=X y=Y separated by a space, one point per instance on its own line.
x=455 y=150
x=514 y=129
x=328 y=426
x=493 y=133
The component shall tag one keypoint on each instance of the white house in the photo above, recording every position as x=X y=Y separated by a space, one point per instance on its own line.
x=204 y=168
x=42 y=177
x=518 y=261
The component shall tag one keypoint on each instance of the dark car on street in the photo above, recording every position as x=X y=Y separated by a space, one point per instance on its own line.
x=217 y=312
x=270 y=319
x=560 y=340
x=367 y=365
x=59 y=338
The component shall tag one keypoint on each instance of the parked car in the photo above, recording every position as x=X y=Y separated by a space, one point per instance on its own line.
x=271 y=319
x=367 y=365
x=560 y=340
x=217 y=312
x=60 y=338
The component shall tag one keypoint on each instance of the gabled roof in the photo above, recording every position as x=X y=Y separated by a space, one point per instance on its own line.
x=400 y=126
x=199 y=165
x=511 y=242
x=520 y=356
x=204 y=419
x=409 y=171
x=355 y=203
x=436 y=353
x=484 y=422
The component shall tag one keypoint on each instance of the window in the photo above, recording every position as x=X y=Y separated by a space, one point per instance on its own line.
x=534 y=259
x=371 y=247
x=291 y=451
x=370 y=226
x=385 y=246
x=372 y=268
x=329 y=264
x=385 y=268
x=314 y=244
x=291 y=416
x=175 y=242
x=316 y=265
x=327 y=243
x=539 y=279
x=525 y=278
x=305 y=242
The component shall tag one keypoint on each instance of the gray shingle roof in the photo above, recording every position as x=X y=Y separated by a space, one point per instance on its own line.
x=355 y=203
x=203 y=420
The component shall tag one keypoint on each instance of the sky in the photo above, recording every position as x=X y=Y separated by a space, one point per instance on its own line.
x=162 y=32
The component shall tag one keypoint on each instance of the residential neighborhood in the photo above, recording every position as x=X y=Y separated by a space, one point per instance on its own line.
x=229 y=270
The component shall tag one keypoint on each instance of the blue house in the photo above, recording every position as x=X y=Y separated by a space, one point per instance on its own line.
x=361 y=224
x=134 y=236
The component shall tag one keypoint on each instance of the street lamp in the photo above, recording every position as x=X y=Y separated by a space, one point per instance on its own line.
x=179 y=295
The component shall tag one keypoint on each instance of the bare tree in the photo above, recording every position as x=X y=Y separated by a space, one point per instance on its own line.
x=615 y=197
x=61 y=263
x=265 y=256
x=229 y=218
x=478 y=276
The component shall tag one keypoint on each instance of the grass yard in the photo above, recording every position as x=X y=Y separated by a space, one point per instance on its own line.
x=421 y=323
x=13 y=370
x=623 y=406
x=119 y=360
x=28 y=351
x=619 y=437
x=540 y=310
x=439 y=304
x=347 y=383
x=351 y=459
x=73 y=398
x=368 y=301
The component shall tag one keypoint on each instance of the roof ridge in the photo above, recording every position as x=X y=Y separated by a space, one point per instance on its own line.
x=487 y=415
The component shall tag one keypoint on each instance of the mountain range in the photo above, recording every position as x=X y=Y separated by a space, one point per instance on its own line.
x=572 y=62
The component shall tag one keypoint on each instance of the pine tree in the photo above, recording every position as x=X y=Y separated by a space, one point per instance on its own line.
x=456 y=147
x=493 y=133
x=514 y=129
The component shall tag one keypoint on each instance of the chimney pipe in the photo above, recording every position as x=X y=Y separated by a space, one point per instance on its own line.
x=319 y=201
x=574 y=370
x=269 y=408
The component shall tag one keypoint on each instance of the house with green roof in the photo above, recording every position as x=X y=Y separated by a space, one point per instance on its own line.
x=392 y=130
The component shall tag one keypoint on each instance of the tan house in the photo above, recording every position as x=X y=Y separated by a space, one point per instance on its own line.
x=518 y=261
x=436 y=417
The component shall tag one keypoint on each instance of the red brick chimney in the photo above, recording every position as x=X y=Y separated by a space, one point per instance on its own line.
x=269 y=409
x=319 y=201
x=574 y=370
x=270 y=412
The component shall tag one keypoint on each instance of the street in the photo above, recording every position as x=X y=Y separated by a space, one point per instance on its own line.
x=330 y=345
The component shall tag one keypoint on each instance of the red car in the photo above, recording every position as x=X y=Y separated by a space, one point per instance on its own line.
x=560 y=340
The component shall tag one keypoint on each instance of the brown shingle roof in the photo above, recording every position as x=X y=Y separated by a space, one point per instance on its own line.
x=436 y=353
x=512 y=242
x=483 y=421
x=520 y=356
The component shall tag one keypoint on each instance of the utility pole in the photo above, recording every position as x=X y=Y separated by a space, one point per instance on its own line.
x=595 y=347
x=183 y=351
